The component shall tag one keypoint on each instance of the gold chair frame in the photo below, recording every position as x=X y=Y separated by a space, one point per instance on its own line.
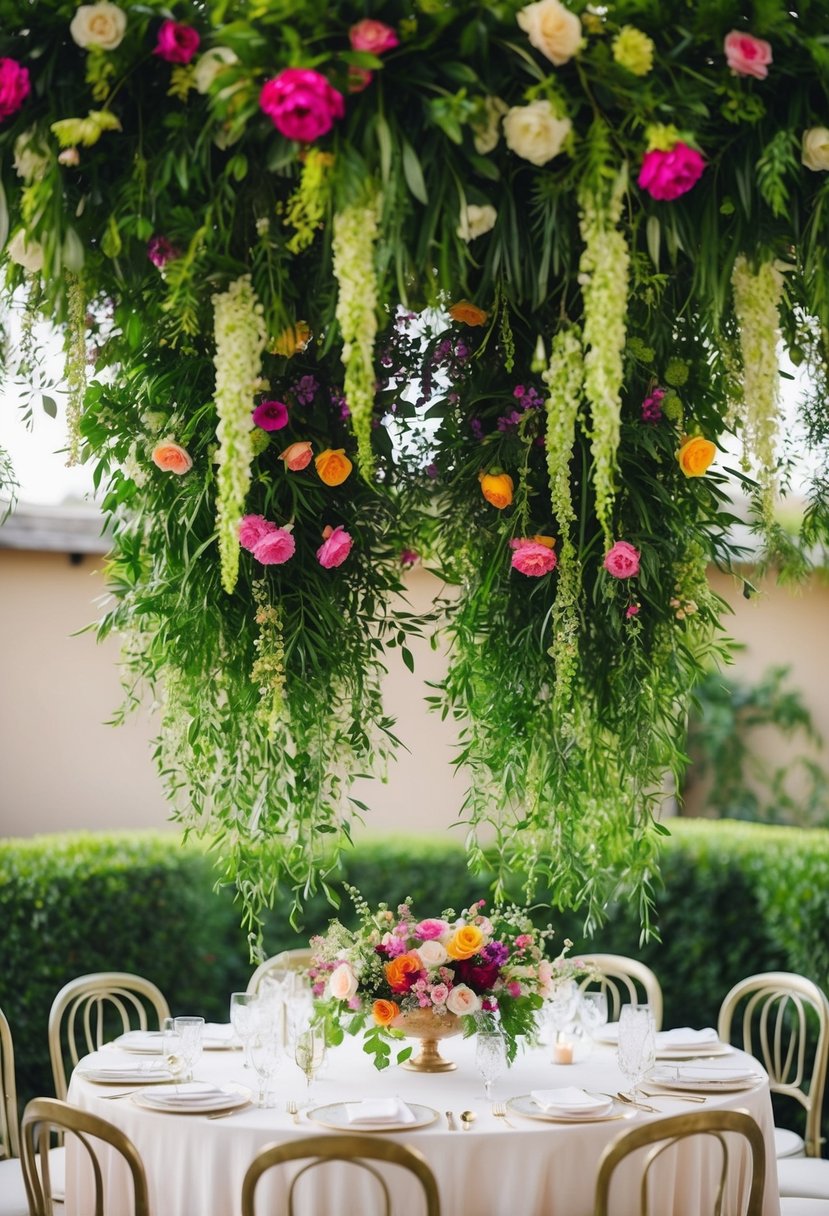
x=352 y=1149
x=44 y=1114
x=84 y=1002
x=9 y=1137
x=776 y=1030
x=664 y=1134
x=618 y=979
x=293 y=960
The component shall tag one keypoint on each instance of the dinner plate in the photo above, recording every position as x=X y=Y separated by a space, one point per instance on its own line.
x=148 y=1042
x=152 y=1072
x=188 y=1099
x=664 y=1079
x=700 y=1052
x=335 y=1115
x=525 y=1106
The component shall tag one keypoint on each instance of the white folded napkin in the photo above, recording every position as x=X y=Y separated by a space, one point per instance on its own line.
x=379 y=1110
x=139 y=1040
x=569 y=1100
x=191 y=1093
x=711 y=1073
x=126 y=1071
x=685 y=1036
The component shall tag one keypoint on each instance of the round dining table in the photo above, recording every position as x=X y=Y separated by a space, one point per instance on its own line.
x=516 y=1166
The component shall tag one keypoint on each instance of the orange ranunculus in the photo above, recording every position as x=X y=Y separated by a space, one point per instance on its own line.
x=549 y=542
x=333 y=466
x=695 y=455
x=400 y=968
x=497 y=489
x=172 y=457
x=384 y=1012
x=293 y=340
x=467 y=313
x=465 y=942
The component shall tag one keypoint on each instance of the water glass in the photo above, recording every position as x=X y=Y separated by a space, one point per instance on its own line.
x=191 y=1033
x=490 y=1057
x=265 y=1051
x=309 y=1051
x=593 y=1012
x=172 y=1050
x=243 y=1007
x=637 y=1044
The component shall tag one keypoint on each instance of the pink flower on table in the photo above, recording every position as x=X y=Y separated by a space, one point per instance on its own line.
x=439 y=993
x=252 y=529
x=176 y=43
x=523 y=939
x=301 y=104
x=14 y=87
x=393 y=945
x=747 y=55
x=342 y=983
x=432 y=953
x=297 y=456
x=532 y=557
x=335 y=548
x=514 y=988
x=462 y=1000
x=275 y=548
x=545 y=977
x=271 y=415
x=622 y=561
x=372 y=36
x=431 y=930
x=668 y=174
x=160 y=251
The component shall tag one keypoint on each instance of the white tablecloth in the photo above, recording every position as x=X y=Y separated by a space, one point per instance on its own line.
x=195 y=1166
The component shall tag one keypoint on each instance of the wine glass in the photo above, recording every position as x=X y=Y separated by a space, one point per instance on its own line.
x=593 y=1012
x=309 y=1051
x=191 y=1033
x=561 y=1009
x=490 y=1057
x=172 y=1051
x=637 y=1044
x=243 y=1007
x=265 y=1050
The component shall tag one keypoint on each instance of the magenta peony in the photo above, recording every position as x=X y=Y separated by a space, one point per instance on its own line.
x=301 y=104
x=14 y=87
x=275 y=547
x=176 y=43
x=160 y=251
x=335 y=548
x=252 y=529
x=532 y=558
x=667 y=175
x=747 y=55
x=372 y=36
x=622 y=561
x=271 y=415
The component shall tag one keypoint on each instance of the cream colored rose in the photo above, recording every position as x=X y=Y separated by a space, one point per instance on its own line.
x=462 y=1000
x=474 y=221
x=816 y=149
x=534 y=132
x=100 y=25
x=552 y=29
x=209 y=65
x=27 y=252
x=343 y=983
x=487 y=129
x=30 y=160
x=433 y=953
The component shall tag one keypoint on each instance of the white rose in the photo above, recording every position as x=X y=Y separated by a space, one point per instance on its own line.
x=462 y=1000
x=534 y=132
x=432 y=953
x=475 y=221
x=487 y=131
x=30 y=160
x=209 y=65
x=816 y=149
x=343 y=982
x=552 y=29
x=101 y=25
x=27 y=252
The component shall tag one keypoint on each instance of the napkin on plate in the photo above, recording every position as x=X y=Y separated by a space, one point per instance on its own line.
x=709 y=1074
x=685 y=1036
x=191 y=1093
x=379 y=1110
x=147 y=1068
x=569 y=1100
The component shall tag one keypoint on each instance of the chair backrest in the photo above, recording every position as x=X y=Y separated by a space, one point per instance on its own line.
x=43 y=1115
x=88 y=1010
x=9 y=1141
x=288 y=960
x=776 y=1027
x=621 y=979
x=663 y=1134
x=355 y=1150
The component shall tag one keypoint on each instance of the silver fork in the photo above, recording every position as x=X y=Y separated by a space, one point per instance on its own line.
x=671 y=1093
x=499 y=1110
x=292 y=1109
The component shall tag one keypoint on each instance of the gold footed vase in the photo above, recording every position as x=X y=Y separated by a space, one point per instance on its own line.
x=429 y=1027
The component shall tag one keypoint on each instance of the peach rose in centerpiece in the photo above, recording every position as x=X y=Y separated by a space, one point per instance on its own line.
x=465 y=942
x=342 y=983
x=433 y=953
x=462 y=1000
x=384 y=1012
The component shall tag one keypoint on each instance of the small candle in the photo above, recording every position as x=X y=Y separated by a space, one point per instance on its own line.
x=562 y=1053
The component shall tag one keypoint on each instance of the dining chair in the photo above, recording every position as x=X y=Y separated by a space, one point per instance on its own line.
x=41 y=1117
x=623 y=980
x=290 y=960
x=90 y=1010
x=352 y=1149
x=779 y=1014
x=664 y=1134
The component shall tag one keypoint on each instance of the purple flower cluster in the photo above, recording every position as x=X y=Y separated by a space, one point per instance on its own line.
x=652 y=406
x=305 y=390
x=528 y=398
x=450 y=357
x=495 y=952
x=339 y=403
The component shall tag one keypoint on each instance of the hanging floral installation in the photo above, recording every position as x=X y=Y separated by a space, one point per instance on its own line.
x=491 y=283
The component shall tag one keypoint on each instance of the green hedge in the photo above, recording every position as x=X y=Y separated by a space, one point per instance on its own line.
x=737 y=898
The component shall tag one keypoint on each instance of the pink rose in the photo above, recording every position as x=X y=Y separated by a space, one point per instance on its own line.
x=532 y=558
x=252 y=529
x=343 y=983
x=545 y=977
x=462 y=1000
x=14 y=87
x=335 y=547
x=439 y=994
x=666 y=175
x=631 y=610
x=622 y=561
x=176 y=43
x=297 y=456
x=432 y=953
x=301 y=104
x=747 y=55
x=514 y=988
x=275 y=548
x=372 y=36
x=271 y=415
x=431 y=930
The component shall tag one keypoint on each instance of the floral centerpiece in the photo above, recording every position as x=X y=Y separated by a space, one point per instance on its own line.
x=458 y=969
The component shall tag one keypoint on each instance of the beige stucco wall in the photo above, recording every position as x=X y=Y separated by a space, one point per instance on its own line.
x=61 y=767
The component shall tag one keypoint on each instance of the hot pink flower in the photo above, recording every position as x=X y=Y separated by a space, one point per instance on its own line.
x=631 y=610
x=622 y=561
x=14 y=87
x=275 y=548
x=532 y=558
x=335 y=548
x=667 y=175
x=430 y=930
x=177 y=43
x=514 y=988
x=271 y=415
x=160 y=251
x=301 y=104
x=372 y=36
x=747 y=55
x=252 y=529
x=408 y=558
x=297 y=456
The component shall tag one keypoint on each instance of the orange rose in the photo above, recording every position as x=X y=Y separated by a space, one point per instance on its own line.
x=333 y=466
x=467 y=313
x=293 y=340
x=549 y=542
x=497 y=488
x=384 y=1012
x=297 y=456
x=172 y=457
x=400 y=968
x=695 y=455
x=465 y=942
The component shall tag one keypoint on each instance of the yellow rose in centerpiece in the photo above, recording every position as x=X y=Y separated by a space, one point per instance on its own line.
x=695 y=455
x=465 y=942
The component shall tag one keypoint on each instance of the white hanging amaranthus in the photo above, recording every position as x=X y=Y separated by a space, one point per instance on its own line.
x=756 y=303
x=240 y=335
x=355 y=231
x=603 y=274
